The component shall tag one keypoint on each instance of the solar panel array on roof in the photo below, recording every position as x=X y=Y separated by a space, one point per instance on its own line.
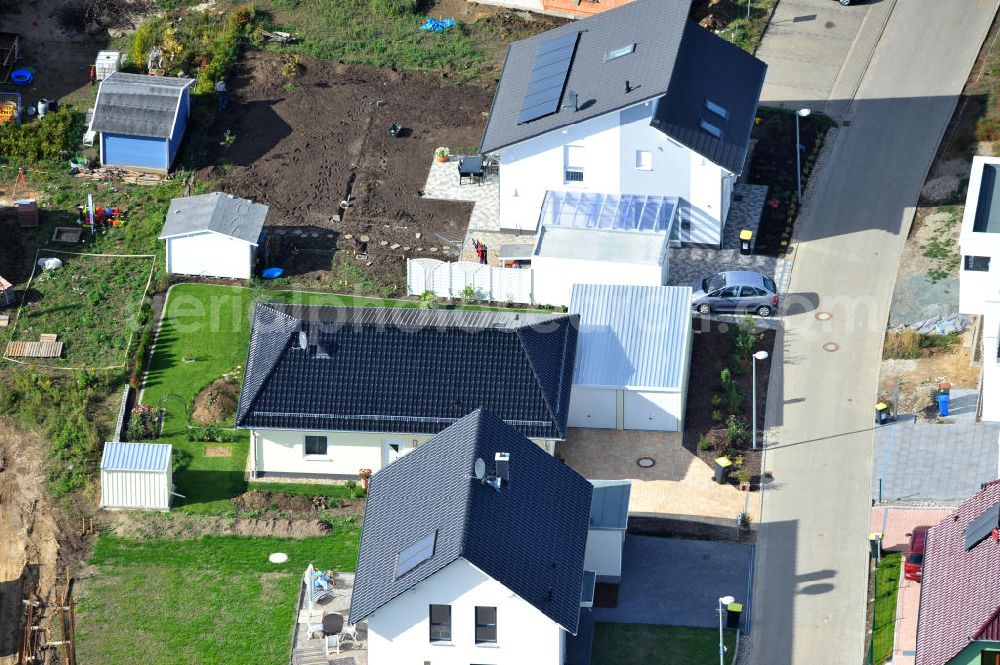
x=548 y=78
x=982 y=526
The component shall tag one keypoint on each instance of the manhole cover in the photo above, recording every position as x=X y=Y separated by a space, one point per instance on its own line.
x=831 y=346
x=645 y=462
x=278 y=557
x=824 y=316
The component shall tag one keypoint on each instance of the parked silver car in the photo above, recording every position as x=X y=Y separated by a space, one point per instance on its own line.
x=735 y=291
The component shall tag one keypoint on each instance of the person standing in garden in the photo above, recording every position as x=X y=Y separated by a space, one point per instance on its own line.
x=223 y=93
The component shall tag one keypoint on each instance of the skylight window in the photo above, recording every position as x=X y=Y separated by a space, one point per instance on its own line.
x=710 y=128
x=619 y=52
x=716 y=109
x=416 y=554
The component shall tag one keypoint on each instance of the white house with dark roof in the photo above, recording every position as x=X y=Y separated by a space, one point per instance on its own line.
x=632 y=102
x=332 y=390
x=979 y=280
x=141 y=120
x=213 y=235
x=473 y=550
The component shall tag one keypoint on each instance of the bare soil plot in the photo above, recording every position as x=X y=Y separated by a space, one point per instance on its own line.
x=302 y=145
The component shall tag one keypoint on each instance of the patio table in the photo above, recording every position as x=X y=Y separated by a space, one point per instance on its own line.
x=470 y=167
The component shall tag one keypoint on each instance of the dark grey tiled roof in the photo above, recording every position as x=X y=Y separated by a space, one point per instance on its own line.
x=710 y=68
x=138 y=105
x=530 y=536
x=406 y=370
x=654 y=26
x=674 y=60
x=222 y=213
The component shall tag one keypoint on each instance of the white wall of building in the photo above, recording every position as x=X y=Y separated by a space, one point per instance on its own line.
x=604 y=553
x=283 y=451
x=145 y=490
x=210 y=254
x=553 y=278
x=399 y=632
x=610 y=144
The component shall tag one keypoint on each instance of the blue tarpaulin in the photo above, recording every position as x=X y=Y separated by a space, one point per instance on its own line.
x=436 y=25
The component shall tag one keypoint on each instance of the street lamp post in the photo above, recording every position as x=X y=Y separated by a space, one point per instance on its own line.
x=760 y=355
x=725 y=600
x=801 y=113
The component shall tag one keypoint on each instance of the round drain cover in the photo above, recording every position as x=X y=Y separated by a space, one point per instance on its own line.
x=824 y=316
x=278 y=557
x=645 y=462
x=831 y=346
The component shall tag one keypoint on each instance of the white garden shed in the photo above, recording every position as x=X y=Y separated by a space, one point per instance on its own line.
x=213 y=235
x=136 y=475
x=633 y=356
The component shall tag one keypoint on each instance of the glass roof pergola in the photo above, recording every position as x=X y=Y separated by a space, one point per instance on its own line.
x=621 y=212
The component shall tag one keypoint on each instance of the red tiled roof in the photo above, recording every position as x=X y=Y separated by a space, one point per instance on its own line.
x=960 y=590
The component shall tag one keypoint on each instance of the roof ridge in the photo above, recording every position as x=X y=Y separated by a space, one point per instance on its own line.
x=268 y=371
x=546 y=398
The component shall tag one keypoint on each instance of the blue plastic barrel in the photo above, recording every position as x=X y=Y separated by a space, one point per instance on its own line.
x=943 y=400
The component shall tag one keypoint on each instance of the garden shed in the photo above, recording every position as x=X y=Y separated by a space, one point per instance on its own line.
x=213 y=235
x=136 y=476
x=633 y=356
x=141 y=120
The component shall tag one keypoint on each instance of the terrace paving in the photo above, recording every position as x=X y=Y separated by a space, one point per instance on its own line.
x=308 y=650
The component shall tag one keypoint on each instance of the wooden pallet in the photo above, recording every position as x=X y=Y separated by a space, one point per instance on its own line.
x=33 y=349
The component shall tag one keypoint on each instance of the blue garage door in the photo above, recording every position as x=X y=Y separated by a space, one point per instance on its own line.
x=136 y=151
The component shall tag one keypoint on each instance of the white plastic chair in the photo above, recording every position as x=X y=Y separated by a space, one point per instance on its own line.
x=351 y=631
x=332 y=645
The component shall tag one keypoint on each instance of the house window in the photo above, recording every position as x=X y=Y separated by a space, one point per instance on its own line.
x=644 y=160
x=486 y=625
x=440 y=623
x=977 y=263
x=619 y=52
x=990 y=658
x=573 y=170
x=316 y=446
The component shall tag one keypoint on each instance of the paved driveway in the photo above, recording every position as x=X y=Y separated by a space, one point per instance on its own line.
x=678 y=582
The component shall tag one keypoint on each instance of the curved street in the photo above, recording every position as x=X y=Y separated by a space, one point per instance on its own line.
x=908 y=65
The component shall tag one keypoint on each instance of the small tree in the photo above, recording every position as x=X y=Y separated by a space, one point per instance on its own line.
x=469 y=294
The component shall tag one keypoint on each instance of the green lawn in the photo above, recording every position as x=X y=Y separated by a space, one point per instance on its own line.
x=886 y=588
x=212 y=600
x=616 y=643
x=210 y=325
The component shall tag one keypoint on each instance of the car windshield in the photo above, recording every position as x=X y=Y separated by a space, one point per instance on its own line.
x=769 y=283
x=915 y=559
x=712 y=283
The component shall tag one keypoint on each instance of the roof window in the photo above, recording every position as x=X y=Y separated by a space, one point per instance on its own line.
x=716 y=109
x=416 y=554
x=619 y=52
x=710 y=128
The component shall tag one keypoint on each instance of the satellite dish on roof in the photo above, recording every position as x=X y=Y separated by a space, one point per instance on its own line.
x=480 y=468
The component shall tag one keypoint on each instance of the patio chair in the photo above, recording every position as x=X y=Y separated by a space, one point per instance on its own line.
x=314 y=593
x=351 y=631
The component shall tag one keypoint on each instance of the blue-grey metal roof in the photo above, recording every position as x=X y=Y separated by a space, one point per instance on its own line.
x=621 y=212
x=405 y=370
x=712 y=75
x=675 y=61
x=121 y=456
x=222 y=213
x=530 y=535
x=609 y=506
x=138 y=105
x=632 y=336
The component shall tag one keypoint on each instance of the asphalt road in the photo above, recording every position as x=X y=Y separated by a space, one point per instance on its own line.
x=809 y=590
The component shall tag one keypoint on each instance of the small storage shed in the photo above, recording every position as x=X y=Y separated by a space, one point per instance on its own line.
x=141 y=120
x=633 y=355
x=606 y=535
x=106 y=64
x=213 y=235
x=587 y=238
x=136 y=475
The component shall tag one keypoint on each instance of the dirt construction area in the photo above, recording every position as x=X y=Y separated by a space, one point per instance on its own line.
x=303 y=144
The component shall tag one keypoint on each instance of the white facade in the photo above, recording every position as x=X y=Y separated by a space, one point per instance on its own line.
x=604 y=553
x=399 y=631
x=617 y=153
x=283 y=452
x=979 y=286
x=210 y=254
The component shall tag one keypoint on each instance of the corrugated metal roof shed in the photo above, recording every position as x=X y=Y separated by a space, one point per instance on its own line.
x=631 y=336
x=609 y=504
x=138 y=105
x=222 y=213
x=136 y=456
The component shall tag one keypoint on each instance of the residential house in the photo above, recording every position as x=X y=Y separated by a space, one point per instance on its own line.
x=979 y=279
x=141 y=120
x=633 y=357
x=472 y=551
x=332 y=390
x=636 y=101
x=213 y=235
x=959 y=618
